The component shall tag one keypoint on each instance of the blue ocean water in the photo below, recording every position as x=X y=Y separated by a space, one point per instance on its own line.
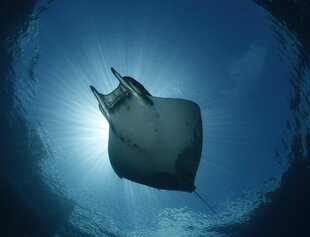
x=245 y=63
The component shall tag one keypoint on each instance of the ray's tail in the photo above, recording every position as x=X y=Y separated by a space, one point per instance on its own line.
x=208 y=205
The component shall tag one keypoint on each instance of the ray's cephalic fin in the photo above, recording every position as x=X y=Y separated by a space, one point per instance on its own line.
x=133 y=87
x=103 y=106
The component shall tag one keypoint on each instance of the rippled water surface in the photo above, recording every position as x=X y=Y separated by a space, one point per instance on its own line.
x=245 y=63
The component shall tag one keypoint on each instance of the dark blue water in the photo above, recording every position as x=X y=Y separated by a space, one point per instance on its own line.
x=246 y=64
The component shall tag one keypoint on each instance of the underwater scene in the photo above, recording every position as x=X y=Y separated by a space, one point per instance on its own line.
x=155 y=118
